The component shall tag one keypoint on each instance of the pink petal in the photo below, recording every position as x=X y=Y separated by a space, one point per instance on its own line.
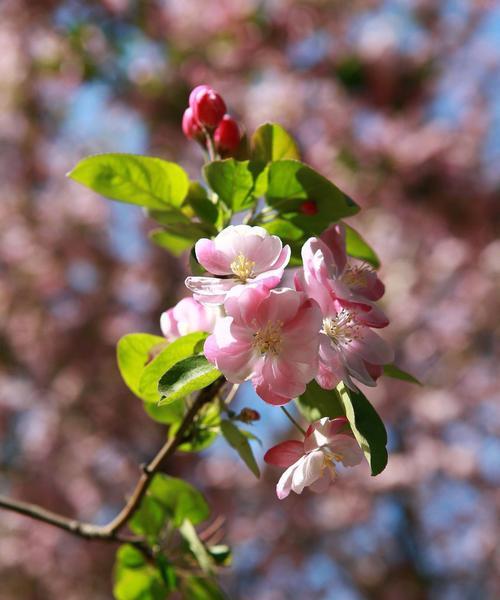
x=284 y=454
x=321 y=432
x=334 y=238
x=168 y=325
x=321 y=485
x=348 y=448
x=371 y=347
x=213 y=260
x=243 y=304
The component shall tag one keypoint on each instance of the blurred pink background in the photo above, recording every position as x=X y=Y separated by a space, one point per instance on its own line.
x=398 y=101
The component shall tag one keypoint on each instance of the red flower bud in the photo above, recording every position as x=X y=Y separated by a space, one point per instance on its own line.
x=309 y=208
x=207 y=105
x=195 y=91
x=191 y=127
x=227 y=136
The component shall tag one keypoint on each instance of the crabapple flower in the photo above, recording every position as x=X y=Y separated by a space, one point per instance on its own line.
x=348 y=346
x=269 y=337
x=239 y=255
x=187 y=316
x=312 y=463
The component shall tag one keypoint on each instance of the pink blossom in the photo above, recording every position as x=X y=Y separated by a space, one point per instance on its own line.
x=311 y=463
x=270 y=337
x=348 y=346
x=240 y=254
x=187 y=316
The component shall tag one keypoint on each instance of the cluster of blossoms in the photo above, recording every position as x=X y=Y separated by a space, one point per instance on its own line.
x=206 y=121
x=281 y=338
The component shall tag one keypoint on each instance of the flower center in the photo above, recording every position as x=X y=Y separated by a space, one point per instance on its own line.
x=242 y=267
x=341 y=329
x=268 y=339
x=356 y=276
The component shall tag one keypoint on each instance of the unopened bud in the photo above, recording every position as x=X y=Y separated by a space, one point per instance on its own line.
x=207 y=105
x=227 y=136
x=247 y=415
x=191 y=127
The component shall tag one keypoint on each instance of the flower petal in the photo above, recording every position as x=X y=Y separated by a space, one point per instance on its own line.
x=284 y=454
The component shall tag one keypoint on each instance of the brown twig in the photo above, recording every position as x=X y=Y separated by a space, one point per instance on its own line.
x=109 y=532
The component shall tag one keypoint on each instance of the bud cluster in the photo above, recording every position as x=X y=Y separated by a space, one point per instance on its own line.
x=207 y=122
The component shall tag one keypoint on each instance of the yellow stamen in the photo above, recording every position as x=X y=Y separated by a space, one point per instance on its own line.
x=341 y=329
x=268 y=339
x=242 y=267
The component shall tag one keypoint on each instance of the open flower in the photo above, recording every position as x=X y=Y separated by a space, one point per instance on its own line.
x=312 y=463
x=239 y=255
x=187 y=316
x=349 y=348
x=270 y=337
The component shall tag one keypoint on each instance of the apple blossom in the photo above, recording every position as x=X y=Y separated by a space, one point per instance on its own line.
x=269 y=337
x=240 y=254
x=312 y=463
x=187 y=316
x=348 y=346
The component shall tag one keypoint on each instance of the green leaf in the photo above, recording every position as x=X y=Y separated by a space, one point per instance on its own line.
x=136 y=579
x=198 y=588
x=136 y=353
x=172 y=216
x=187 y=376
x=150 y=182
x=291 y=182
x=237 y=440
x=237 y=183
x=196 y=546
x=358 y=248
x=271 y=142
x=177 y=238
x=179 y=349
x=202 y=206
x=133 y=352
x=367 y=427
x=397 y=373
x=316 y=403
x=167 y=415
x=172 y=498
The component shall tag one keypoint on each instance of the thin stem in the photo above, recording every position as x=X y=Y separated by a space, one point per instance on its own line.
x=292 y=420
x=109 y=532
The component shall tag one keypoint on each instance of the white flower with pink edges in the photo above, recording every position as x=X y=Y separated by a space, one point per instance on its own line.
x=187 y=316
x=238 y=255
x=312 y=463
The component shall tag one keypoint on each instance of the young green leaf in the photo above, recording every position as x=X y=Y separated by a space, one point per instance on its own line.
x=397 y=373
x=197 y=547
x=237 y=440
x=316 y=403
x=367 y=427
x=198 y=588
x=146 y=181
x=135 y=578
x=133 y=352
x=175 y=498
x=204 y=431
x=237 y=183
x=177 y=238
x=358 y=248
x=271 y=142
x=179 y=349
x=187 y=376
x=291 y=183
